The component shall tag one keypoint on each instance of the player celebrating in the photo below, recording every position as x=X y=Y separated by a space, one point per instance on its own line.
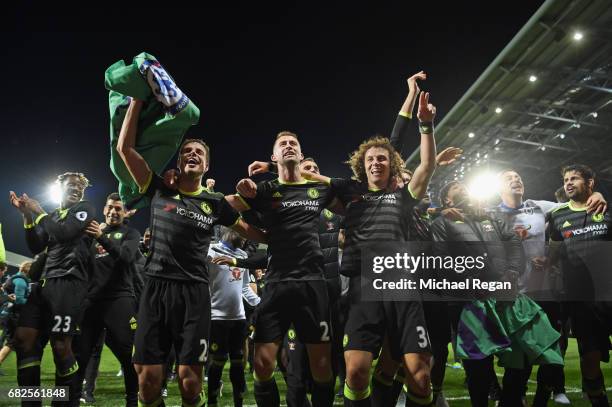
x=528 y=220
x=377 y=211
x=296 y=293
x=370 y=218
x=581 y=264
x=111 y=294
x=175 y=304
x=67 y=270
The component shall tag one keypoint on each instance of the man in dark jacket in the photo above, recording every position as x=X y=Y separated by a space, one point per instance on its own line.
x=495 y=330
x=56 y=304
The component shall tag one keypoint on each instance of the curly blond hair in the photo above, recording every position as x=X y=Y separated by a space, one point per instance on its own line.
x=357 y=158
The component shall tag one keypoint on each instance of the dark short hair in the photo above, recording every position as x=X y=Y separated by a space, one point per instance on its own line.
x=585 y=172
x=200 y=142
x=113 y=196
x=287 y=133
x=444 y=192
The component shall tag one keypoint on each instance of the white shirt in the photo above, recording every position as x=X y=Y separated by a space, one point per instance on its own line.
x=228 y=285
x=529 y=223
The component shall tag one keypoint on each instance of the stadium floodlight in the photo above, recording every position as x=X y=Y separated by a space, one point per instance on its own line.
x=594 y=114
x=498 y=110
x=55 y=193
x=533 y=78
x=561 y=136
x=471 y=135
x=578 y=36
x=496 y=141
x=543 y=148
x=483 y=186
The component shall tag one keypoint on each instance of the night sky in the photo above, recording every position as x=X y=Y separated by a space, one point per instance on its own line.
x=334 y=75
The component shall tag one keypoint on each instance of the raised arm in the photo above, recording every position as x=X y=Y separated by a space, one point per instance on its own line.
x=126 y=146
x=401 y=128
x=36 y=238
x=420 y=180
x=71 y=228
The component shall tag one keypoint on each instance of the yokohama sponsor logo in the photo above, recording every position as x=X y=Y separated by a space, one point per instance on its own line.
x=291 y=204
x=386 y=197
x=596 y=229
x=194 y=215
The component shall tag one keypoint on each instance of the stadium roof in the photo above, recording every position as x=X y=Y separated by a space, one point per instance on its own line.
x=545 y=101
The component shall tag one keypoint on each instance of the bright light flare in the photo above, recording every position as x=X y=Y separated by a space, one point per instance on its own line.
x=54 y=193
x=483 y=186
x=578 y=36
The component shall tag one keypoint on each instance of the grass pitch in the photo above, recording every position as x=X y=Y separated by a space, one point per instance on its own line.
x=109 y=389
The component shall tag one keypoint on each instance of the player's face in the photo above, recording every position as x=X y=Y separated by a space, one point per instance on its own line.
x=146 y=238
x=287 y=150
x=72 y=191
x=377 y=165
x=576 y=187
x=193 y=160
x=512 y=184
x=309 y=166
x=406 y=177
x=114 y=212
x=457 y=195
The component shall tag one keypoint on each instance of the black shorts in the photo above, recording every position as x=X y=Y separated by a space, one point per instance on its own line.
x=370 y=321
x=303 y=303
x=172 y=313
x=592 y=327
x=55 y=305
x=438 y=323
x=118 y=316
x=227 y=337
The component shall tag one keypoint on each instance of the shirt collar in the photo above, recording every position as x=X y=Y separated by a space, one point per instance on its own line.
x=507 y=208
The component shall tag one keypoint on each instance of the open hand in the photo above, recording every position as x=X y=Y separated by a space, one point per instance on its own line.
x=448 y=156
x=427 y=111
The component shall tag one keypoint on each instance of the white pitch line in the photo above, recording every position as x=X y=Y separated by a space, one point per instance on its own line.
x=531 y=393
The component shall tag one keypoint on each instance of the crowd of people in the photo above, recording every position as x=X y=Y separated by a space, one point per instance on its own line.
x=196 y=291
